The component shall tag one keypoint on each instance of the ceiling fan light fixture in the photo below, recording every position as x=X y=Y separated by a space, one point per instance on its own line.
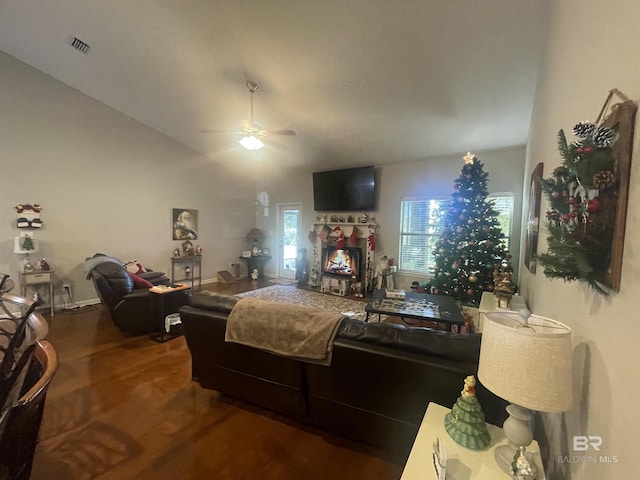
x=251 y=142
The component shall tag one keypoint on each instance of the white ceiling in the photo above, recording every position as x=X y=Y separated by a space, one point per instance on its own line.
x=360 y=81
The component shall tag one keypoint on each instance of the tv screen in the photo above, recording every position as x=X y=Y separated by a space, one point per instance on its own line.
x=344 y=190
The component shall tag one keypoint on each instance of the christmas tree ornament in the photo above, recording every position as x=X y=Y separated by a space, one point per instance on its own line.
x=473 y=278
x=465 y=424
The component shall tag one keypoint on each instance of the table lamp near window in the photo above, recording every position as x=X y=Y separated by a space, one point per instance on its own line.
x=526 y=361
x=255 y=237
x=25 y=245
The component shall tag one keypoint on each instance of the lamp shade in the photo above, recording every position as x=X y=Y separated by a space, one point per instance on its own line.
x=255 y=236
x=527 y=363
x=25 y=244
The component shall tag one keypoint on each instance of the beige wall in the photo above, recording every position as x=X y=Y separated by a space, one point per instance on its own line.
x=106 y=183
x=409 y=179
x=592 y=48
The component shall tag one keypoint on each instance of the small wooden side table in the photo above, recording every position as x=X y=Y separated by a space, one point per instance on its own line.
x=40 y=277
x=158 y=294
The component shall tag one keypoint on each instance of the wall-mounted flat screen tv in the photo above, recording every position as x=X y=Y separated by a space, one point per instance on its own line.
x=349 y=189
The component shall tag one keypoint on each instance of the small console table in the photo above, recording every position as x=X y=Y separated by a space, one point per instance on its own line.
x=462 y=463
x=192 y=262
x=40 y=277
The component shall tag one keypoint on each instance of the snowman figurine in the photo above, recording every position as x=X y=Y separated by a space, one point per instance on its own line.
x=254 y=274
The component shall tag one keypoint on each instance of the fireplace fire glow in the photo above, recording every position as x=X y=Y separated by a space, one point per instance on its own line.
x=345 y=262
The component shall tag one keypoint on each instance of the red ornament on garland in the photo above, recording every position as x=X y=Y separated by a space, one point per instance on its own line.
x=593 y=205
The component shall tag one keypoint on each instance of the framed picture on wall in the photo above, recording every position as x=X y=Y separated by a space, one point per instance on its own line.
x=533 y=219
x=184 y=224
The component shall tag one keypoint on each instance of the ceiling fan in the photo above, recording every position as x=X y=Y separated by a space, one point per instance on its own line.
x=252 y=133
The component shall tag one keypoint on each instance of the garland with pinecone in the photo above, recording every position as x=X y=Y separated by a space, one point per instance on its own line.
x=581 y=196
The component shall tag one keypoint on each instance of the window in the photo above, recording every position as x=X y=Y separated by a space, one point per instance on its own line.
x=421 y=225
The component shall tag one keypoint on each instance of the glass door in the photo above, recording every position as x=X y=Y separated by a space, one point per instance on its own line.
x=288 y=239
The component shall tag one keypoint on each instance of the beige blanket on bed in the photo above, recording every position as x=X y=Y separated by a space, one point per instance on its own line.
x=304 y=333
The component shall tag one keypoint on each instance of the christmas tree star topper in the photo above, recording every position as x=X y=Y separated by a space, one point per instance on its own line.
x=469 y=158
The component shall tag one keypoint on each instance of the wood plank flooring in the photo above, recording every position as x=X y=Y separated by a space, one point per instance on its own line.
x=126 y=408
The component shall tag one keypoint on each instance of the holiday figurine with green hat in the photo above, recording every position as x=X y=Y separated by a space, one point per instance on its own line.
x=465 y=424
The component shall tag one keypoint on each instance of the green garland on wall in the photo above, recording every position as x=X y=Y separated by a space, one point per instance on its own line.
x=579 y=220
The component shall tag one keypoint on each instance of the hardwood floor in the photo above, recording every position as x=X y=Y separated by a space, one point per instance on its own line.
x=126 y=408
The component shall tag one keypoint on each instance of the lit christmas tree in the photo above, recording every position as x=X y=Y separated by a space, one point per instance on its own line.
x=471 y=245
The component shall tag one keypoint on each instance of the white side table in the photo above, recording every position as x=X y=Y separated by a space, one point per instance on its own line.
x=39 y=277
x=489 y=303
x=462 y=463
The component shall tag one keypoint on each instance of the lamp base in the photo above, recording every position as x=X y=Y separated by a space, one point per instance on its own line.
x=518 y=432
x=504 y=456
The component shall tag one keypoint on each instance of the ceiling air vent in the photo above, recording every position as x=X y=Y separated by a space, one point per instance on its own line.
x=79 y=45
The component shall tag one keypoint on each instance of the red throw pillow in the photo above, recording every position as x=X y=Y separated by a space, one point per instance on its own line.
x=139 y=282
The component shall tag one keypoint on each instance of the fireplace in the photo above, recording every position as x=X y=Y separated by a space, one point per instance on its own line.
x=345 y=262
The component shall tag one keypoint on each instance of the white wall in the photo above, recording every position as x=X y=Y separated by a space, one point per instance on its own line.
x=106 y=183
x=408 y=179
x=592 y=48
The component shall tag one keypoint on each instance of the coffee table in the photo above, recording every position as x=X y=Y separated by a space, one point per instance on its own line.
x=440 y=309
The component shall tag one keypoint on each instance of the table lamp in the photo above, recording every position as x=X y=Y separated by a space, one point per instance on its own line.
x=526 y=361
x=255 y=237
x=25 y=244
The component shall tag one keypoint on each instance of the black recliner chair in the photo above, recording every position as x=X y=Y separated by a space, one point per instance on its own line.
x=131 y=308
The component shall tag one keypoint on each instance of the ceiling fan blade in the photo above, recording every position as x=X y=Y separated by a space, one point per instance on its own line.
x=280 y=132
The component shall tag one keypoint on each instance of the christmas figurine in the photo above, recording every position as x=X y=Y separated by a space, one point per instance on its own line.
x=465 y=424
x=44 y=265
x=523 y=467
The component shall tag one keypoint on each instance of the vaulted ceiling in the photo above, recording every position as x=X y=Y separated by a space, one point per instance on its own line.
x=360 y=81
